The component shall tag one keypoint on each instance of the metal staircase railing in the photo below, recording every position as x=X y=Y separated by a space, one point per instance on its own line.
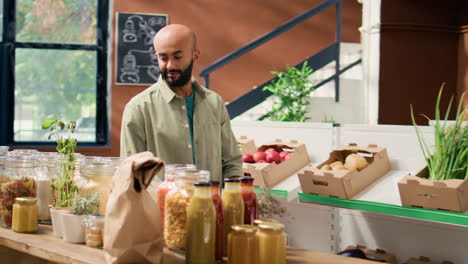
x=317 y=61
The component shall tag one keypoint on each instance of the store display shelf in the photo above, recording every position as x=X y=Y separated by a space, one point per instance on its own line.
x=388 y=209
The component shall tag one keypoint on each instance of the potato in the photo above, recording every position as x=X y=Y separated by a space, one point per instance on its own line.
x=336 y=163
x=355 y=161
x=339 y=167
x=326 y=167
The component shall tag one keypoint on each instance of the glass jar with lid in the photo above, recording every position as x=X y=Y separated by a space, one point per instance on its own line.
x=50 y=165
x=97 y=173
x=271 y=243
x=25 y=214
x=250 y=200
x=243 y=245
x=168 y=184
x=19 y=181
x=23 y=153
x=233 y=206
x=218 y=205
x=201 y=226
x=3 y=156
x=177 y=202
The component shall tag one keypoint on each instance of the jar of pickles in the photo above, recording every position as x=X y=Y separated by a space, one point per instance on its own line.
x=168 y=184
x=271 y=243
x=18 y=181
x=243 y=245
x=25 y=213
x=97 y=174
x=177 y=202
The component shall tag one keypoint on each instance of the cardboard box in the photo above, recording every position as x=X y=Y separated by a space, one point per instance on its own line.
x=345 y=183
x=425 y=260
x=377 y=254
x=418 y=191
x=270 y=174
x=246 y=145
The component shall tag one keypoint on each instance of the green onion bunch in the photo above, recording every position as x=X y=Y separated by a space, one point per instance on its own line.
x=449 y=157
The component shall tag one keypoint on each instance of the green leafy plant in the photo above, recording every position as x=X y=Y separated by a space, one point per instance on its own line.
x=449 y=157
x=63 y=187
x=86 y=205
x=327 y=119
x=292 y=88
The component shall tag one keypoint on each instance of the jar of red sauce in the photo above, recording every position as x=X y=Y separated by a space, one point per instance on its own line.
x=250 y=200
x=218 y=204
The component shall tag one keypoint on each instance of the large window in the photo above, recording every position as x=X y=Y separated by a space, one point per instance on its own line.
x=54 y=56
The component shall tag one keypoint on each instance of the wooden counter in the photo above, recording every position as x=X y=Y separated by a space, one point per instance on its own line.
x=46 y=246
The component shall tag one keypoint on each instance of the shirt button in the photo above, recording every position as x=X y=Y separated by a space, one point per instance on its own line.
x=183 y=107
x=189 y=146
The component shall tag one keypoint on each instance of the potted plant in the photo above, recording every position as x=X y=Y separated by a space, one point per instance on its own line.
x=63 y=187
x=292 y=88
x=82 y=206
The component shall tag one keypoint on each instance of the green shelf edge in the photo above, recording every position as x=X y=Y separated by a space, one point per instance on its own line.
x=389 y=209
x=281 y=194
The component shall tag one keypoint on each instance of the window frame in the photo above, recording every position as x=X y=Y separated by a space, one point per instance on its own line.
x=8 y=46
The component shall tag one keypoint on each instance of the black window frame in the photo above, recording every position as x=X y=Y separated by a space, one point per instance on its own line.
x=8 y=44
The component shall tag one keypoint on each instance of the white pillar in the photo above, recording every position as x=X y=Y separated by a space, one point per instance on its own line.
x=370 y=41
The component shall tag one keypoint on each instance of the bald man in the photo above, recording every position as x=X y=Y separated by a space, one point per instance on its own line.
x=178 y=119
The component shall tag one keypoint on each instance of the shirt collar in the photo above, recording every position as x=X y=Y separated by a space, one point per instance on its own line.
x=168 y=94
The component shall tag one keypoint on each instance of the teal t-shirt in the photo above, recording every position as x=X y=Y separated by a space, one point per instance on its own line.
x=190 y=102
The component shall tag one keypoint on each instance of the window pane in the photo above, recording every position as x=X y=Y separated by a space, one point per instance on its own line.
x=60 y=82
x=56 y=21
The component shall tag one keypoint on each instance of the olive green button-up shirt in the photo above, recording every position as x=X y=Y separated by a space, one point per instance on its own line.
x=156 y=120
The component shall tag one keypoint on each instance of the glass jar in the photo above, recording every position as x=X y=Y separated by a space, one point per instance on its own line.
x=23 y=153
x=233 y=207
x=97 y=174
x=264 y=220
x=3 y=156
x=201 y=226
x=271 y=243
x=250 y=200
x=94 y=230
x=177 y=202
x=169 y=184
x=50 y=165
x=243 y=245
x=25 y=213
x=218 y=205
x=19 y=181
x=205 y=175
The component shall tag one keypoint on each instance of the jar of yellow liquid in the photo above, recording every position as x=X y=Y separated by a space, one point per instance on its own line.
x=25 y=213
x=233 y=207
x=201 y=226
x=271 y=243
x=243 y=245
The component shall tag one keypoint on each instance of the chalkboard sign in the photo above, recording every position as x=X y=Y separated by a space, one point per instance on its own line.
x=136 y=62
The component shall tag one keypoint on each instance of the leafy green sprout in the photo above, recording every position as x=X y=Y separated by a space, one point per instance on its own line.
x=449 y=157
x=63 y=186
x=86 y=205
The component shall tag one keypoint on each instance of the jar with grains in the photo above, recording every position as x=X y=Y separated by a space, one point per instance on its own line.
x=25 y=212
x=271 y=243
x=168 y=184
x=243 y=245
x=233 y=206
x=19 y=180
x=177 y=202
x=97 y=173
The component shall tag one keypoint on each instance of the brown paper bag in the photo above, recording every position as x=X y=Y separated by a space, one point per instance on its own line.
x=132 y=230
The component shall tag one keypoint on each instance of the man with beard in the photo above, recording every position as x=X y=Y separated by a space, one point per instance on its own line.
x=176 y=118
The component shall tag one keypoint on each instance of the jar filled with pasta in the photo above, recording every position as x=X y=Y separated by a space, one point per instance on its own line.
x=177 y=202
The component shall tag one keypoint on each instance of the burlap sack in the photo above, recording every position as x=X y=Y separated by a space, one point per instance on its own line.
x=132 y=232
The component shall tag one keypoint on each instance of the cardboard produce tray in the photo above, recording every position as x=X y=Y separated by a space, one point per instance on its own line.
x=345 y=183
x=448 y=195
x=246 y=145
x=270 y=174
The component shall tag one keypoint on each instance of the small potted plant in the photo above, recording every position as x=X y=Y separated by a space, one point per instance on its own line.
x=82 y=206
x=63 y=187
